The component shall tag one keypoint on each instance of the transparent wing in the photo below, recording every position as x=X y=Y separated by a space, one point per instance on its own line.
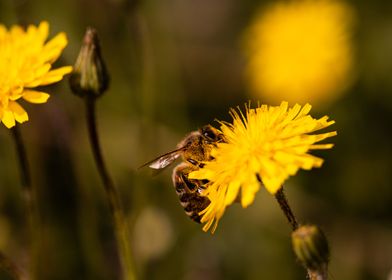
x=164 y=160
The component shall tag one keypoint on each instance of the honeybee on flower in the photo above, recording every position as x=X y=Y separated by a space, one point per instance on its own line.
x=263 y=146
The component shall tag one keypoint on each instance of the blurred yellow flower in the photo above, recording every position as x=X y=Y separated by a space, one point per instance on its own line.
x=267 y=144
x=300 y=51
x=25 y=63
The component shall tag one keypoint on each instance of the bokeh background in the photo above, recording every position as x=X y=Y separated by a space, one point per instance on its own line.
x=176 y=65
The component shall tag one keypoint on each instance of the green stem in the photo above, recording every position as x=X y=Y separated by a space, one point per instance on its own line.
x=116 y=209
x=29 y=197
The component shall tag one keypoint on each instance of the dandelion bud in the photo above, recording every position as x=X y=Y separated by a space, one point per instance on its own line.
x=90 y=77
x=311 y=247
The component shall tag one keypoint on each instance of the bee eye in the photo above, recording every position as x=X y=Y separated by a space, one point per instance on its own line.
x=208 y=133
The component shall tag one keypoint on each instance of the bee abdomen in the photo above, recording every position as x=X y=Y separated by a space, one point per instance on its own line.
x=188 y=192
x=195 y=204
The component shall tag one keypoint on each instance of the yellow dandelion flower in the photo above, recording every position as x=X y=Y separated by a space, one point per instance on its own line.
x=300 y=51
x=26 y=63
x=267 y=144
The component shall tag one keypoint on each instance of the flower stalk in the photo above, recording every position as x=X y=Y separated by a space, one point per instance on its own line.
x=90 y=80
x=25 y=177
x=116 y=209
x=29 y=197
x=284 y=205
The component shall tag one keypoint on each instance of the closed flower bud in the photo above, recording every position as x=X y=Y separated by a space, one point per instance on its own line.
x=311 y=247
x=90 y=77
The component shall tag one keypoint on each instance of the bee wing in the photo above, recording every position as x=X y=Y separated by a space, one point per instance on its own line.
x=164 y=160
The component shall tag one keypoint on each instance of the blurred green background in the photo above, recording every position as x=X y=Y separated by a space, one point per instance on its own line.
x=176 y=65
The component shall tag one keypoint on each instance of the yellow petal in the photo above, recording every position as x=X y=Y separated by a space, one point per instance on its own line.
x=304 y=111
x=16 y=31
x=18 y=111
x=50 y=77
x=8 y=119
x=31 y=30
x=3 y=31
x=248 y=193
x=43 y=30
x=207 y=226
x=272 y=185
x=320 y=137
x=232 y=192
x=16 y=92
x=321 y=147
x=54 y=47
x=42 y=70
x=273 y=188
x=55 y=75
x=36 y=97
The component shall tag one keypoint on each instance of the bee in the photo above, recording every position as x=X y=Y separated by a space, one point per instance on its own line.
x=194 y=149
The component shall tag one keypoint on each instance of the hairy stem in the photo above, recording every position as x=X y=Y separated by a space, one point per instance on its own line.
x=116 y=209
x=284 y=205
